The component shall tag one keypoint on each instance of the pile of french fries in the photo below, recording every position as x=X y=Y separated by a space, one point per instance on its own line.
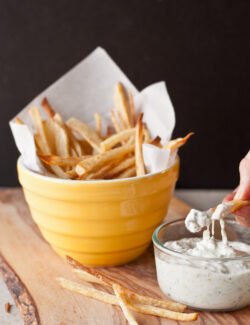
x=74 y=150
x=127 y=299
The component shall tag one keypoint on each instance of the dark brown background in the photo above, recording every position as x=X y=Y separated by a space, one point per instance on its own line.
x=200 y=48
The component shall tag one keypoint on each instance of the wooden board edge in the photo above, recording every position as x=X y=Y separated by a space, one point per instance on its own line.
x=23 y=299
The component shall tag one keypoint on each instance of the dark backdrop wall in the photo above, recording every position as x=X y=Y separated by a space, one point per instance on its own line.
x=200 y=48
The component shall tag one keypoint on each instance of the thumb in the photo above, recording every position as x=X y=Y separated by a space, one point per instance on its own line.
x=243 y=192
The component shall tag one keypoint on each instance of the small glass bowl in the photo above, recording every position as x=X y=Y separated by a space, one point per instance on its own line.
x=208 y=284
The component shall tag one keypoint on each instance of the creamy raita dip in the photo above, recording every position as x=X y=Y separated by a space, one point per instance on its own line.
x=206 y=283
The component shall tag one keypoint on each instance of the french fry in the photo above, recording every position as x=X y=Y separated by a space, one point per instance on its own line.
x=121 y=105
x=57 y=137
x=62 y=142
x=116 y=138
x=86 y=147
x=160 y=312
x=98 y=121
x=86 y=132
x=60 y=161
x=94 y=162
x=131 y=171
x=74 y=146
x=47 y=107
x=112 y=299
x=57 y=117
x=123 y=304
x=18 y=120
x=156 y=141
x=39 y=126
x=146 y=133
x=175 y=144
x=114 y=121
x=71 y=173
x=88 y=292
x=100 y=173
x=238 y=204
x=139 y=163
x=42 y=140
x=123 y=165
x=132 y=109
x=87 y=277
x=109 y=130
x=81 y=271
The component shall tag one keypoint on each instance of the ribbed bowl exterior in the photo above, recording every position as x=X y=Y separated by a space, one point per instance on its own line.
x=98 y=223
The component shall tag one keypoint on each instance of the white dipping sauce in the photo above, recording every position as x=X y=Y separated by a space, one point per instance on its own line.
x=205 y=284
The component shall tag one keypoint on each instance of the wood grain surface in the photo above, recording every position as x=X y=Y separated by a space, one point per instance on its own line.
x=36 y=266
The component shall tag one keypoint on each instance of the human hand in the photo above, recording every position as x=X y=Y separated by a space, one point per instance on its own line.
x=242 y=192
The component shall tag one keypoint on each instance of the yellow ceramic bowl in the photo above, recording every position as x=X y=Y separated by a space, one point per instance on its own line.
x=107 y=222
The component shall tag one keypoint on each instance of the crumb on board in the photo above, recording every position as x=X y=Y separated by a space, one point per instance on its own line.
x=7 y=307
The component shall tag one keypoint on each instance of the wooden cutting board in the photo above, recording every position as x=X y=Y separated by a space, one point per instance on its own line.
x=29 y=267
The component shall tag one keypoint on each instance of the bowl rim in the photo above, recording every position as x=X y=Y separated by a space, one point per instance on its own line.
x=93 y=181
x=166 y=250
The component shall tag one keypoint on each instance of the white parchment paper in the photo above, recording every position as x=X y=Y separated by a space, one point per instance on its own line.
x=88 y=88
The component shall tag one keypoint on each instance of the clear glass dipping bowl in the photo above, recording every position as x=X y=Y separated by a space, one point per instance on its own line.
x=209 y=284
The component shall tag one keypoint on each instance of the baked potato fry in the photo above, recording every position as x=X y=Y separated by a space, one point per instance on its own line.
x=86 y=132
x=139 y=163
x=121 y=105
x=156 y=141
x=18 y=120
x=175 y=144
x=47 y=107
x=132 y=109
x=94 y=162
x=98 y=121
x=116 y=138
x=61 y=161
x=129 y=172
x=101 y=172
x=123 y=304
x=121 y=166
x=115 y=121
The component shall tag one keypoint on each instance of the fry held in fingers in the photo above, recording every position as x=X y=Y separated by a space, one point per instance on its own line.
x=238 y=204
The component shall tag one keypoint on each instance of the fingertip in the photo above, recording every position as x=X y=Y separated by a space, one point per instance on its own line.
x=229 y=197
